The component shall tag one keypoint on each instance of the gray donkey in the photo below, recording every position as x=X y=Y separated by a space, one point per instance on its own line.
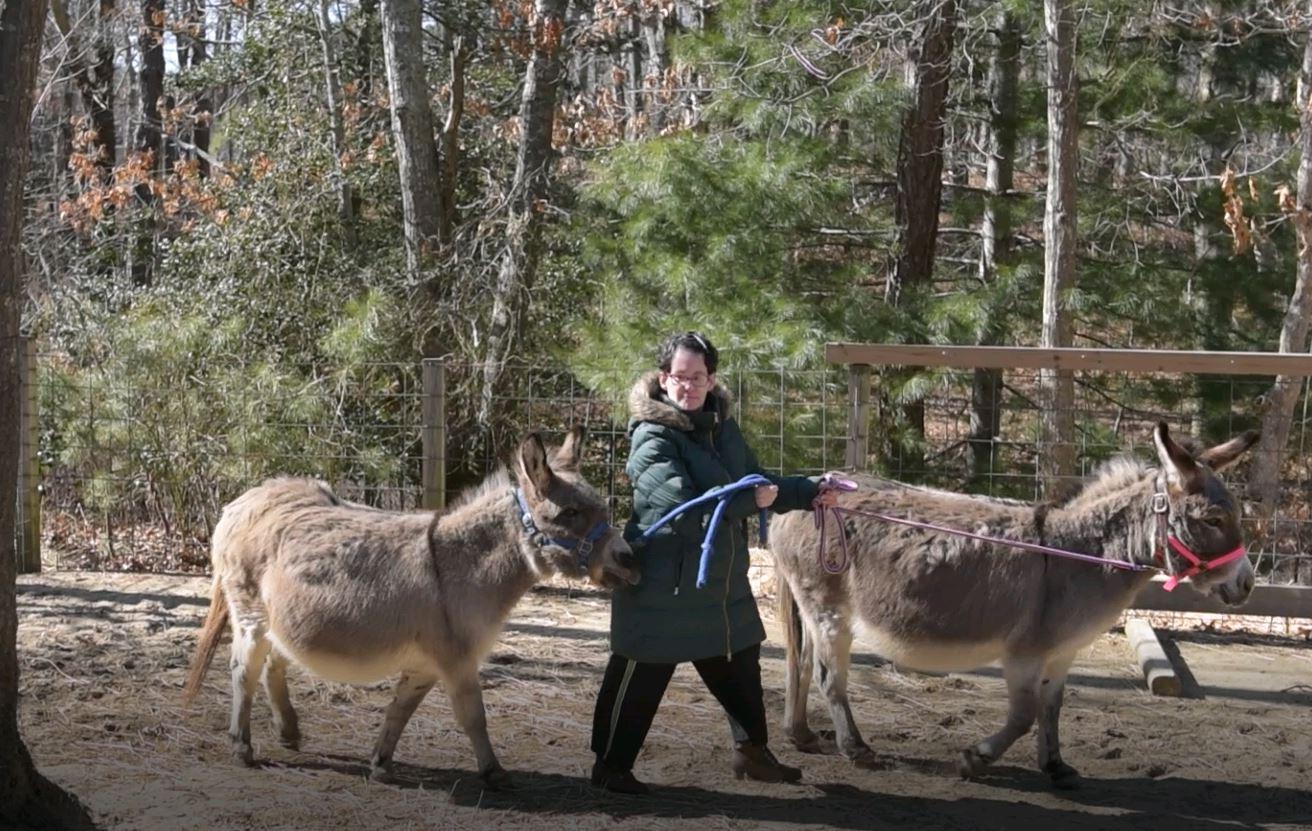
x=356 y=594
x=933 y=601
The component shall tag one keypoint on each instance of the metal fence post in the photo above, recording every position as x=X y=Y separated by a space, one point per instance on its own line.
x=433 y=433
x=29 y=476
x=858 y=417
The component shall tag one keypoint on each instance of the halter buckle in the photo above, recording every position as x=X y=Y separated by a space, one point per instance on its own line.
x=583 y=552
x=1160 y=503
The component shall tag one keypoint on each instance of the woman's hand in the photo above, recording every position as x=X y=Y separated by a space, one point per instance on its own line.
x=766 y=495
x=827 y=498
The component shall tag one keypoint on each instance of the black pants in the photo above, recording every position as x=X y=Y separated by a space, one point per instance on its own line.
x=631 y=691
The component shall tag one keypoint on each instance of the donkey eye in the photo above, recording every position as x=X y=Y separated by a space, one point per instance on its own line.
x=1214 y=521
x=566 y=514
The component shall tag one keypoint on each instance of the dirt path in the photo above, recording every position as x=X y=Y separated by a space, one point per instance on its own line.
x=103 y=658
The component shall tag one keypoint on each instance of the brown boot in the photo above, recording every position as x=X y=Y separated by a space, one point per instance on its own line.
x=755 y=761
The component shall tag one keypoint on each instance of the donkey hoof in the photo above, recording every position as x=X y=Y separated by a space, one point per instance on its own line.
x=292 y=742
x=243 y=755
x=496 y=779
x=382 y=773
x=1062 y=776
x=806 y=742
x=971 y=763
x=865 y=758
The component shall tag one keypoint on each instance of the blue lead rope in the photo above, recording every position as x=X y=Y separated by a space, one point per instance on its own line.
x=723 y=494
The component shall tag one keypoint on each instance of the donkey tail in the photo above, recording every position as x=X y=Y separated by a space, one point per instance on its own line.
x=210 y=635
x=790 y=621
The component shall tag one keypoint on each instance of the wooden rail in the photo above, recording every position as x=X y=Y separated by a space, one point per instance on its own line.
x=1265 y=601
x=1098 y=360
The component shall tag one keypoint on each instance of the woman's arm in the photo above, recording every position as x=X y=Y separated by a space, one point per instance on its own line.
x=795 y=492
x=661 y=481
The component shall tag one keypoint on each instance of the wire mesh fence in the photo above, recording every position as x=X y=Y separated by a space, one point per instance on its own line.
x=133 y=474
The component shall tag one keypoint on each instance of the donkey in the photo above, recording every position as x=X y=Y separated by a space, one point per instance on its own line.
x=940 y=602
x=355 y=594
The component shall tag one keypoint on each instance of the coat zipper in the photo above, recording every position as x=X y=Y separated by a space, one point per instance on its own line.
x=678 y=575
x=728 y=581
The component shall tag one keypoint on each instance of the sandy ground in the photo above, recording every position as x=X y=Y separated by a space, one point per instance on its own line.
x=103 y=658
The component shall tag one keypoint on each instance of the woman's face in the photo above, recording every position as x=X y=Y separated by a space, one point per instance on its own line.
x=687 y=383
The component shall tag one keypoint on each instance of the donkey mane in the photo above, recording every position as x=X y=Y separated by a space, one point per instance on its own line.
x=1109 y=479
x=498 y=481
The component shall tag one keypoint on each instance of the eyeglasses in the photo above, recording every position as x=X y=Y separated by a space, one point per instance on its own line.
x=690 y=381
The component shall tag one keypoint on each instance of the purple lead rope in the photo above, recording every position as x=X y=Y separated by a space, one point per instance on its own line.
x=834 y=482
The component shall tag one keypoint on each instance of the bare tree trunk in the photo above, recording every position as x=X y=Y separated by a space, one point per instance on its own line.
x=1211 y=309
x=1278 y=412
x=95 y=84
x=333 y=91
x=633 y=70
x=519 y=259
x=996 y=244
x=204 y=109
x=1059 y=231
x=920 y=155
x=412 y=128
x=364 y=51
x=653 y=34
x=27 y=799
x=150 y=133
x=59 y=174
x=451 y=138
x=920 y=187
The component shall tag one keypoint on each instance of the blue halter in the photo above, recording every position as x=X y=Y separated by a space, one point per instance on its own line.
x=581 y=547
x=723 y=493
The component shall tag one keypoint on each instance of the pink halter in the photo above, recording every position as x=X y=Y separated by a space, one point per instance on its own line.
x=1197 y=565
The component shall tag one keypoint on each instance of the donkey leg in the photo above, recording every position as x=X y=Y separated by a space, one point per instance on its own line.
x=1023 y=705
x=284 y=715
x=250 y=647
x=832 y=634
x=798 y=688
x=410 y=690
x=467 y=701
x=1051 y=691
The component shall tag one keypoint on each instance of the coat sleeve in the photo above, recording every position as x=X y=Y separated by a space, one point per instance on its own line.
x=795 y=492
x=660 y=478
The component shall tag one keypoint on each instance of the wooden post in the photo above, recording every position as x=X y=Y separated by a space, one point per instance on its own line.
x=858 y=417
x=434 y=434
x=29 y=476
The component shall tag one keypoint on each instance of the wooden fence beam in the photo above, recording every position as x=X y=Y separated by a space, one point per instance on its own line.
x=1265 y=601
x=1097 y=360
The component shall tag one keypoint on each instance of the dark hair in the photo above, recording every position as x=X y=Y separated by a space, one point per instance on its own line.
x=693 y=342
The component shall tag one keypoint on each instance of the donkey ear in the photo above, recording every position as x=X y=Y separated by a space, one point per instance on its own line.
x=1179 y=466
x=571 y=452
x=1224 y=455
x=531 y=466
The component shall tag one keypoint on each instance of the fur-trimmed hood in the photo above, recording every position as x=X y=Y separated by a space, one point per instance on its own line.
x=647 y=402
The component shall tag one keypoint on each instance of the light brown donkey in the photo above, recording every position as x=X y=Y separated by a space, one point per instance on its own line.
x=934 y=601
x=356 y=594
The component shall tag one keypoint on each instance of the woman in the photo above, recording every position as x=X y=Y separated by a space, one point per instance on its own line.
x=684 y=442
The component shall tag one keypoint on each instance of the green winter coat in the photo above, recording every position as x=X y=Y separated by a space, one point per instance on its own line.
x=677 y=456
